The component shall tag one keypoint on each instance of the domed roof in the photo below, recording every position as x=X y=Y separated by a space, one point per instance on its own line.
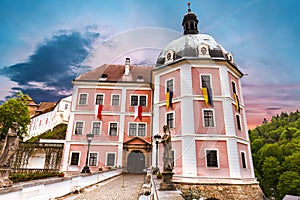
x=192 y=46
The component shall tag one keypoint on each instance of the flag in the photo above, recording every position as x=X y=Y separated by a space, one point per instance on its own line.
x=138 y=112
x=98 y=111
x=167 y=100
x=237 y=103
x=205 y=95
x=170 y=99
x=210 y=99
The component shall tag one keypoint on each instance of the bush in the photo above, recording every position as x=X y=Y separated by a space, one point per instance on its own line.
x=19 y=177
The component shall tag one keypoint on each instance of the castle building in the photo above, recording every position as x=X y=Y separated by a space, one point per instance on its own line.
x=194 y=88
x=114 y=103
x=197 y=92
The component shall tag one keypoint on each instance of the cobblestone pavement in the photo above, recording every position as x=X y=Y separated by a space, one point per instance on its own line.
x=123 y=187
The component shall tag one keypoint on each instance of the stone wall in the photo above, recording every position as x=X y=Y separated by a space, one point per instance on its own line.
x=221 y=191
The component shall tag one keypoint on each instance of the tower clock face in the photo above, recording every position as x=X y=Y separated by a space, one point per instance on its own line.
x=203 y=50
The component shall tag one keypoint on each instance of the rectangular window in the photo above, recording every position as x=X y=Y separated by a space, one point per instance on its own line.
x=143 y=101
x=170 y=120
x=170 y=85
x=233 y=87
x=134 y=100
x=82 y=99
x=66 y=106
x=137 y=129
x=140 y=100
x=208 y=118
x=212 y=158
x=113 y=129
x=79 y=128
x=99 y=99
x=132 y=129
x=96 y=128
x=238 y=122
x=205 y=81
x=74 y=158
x=93 y=159
x=110 y=159
x=243 y=159
x=115 y=100
x=142 y=130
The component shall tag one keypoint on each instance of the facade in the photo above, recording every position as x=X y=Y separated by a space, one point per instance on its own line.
x=197 y=92
x=194 y=88
x=114 y=103
x=48 y=115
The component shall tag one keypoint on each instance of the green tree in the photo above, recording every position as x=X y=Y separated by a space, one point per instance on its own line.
x=14 y=110
x=292 y=162
x=289 y=183
x=271 y=171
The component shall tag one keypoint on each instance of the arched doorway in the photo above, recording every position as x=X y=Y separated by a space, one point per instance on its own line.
x=136 y=162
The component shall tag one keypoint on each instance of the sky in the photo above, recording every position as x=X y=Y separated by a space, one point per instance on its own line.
x=45 y=44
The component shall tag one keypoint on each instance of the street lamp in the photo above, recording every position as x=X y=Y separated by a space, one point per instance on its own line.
x=156 y=138
x=86 y=168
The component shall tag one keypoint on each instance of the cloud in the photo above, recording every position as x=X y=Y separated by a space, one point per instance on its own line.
x=49 y=71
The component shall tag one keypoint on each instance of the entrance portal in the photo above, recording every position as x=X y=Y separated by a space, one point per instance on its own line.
x=136 y=162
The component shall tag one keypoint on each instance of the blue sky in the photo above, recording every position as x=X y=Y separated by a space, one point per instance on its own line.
x=44 y=43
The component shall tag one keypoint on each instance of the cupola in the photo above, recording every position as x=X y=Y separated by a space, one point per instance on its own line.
x=190 y=22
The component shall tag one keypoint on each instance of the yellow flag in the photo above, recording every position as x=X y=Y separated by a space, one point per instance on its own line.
x=167 y=100
x=205 y=95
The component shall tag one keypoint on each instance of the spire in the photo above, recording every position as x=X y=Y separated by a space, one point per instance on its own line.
x=190 y=22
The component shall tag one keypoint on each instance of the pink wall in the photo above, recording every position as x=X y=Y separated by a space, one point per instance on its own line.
x=215 y=80
x=176 y=108
x=176 y=81
x=100 y=149
x=92 y=96
x=148 y=93
x=245 y=172
x=219 y=118
x=202 y=170
x=145 y=119
x=239 y=133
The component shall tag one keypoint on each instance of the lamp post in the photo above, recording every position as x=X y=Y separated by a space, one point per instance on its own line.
x=86 y=168
x=156 y=138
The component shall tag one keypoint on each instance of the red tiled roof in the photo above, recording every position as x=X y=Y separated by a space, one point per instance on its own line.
x=45 y=106
x=115 y=73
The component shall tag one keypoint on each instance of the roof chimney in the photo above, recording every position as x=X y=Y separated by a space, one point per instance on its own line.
x=127 y=66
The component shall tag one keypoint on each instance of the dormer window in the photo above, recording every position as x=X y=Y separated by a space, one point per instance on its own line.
x=103 y=77
x=203 y=50
x=230 y=57
x=169 y=56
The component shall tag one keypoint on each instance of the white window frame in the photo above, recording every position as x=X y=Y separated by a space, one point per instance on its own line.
x=96 y=98
x=71 y=152
x=139 y=102
x=210 y=80
x=235 y=85
x=166 y=86
x=108 y=133
x=87 y=99
x=166 y=118
x=107 y=157
x=82 y=127
x=137 y=129
x=203 y=121
x=245 y=160
x=218 y=157
x=111 y=102
x=97 y=159
x=173 y=150
x=92 y=126
x=237 y=126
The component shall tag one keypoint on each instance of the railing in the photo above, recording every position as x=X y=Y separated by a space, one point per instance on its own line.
x=31 y=171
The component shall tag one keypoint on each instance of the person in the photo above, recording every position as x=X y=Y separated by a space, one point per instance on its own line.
x=167 y=156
